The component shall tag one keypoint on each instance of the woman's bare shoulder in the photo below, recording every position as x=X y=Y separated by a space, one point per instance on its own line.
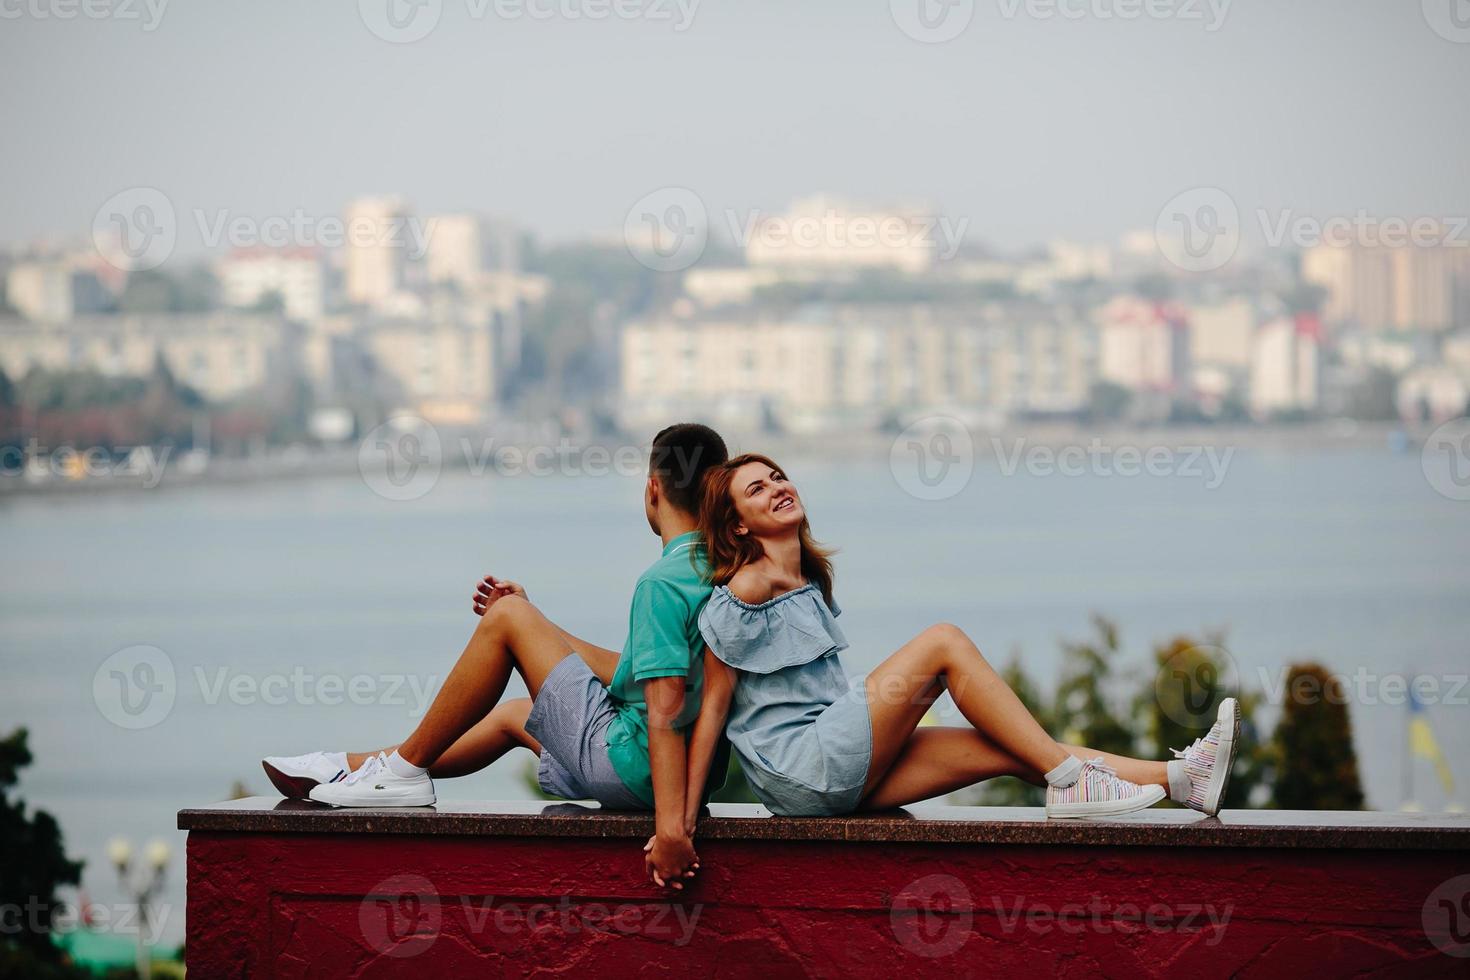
x=750 y=584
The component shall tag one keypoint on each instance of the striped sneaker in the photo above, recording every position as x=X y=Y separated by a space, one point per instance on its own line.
x=1098 y=792
x=1207 y=762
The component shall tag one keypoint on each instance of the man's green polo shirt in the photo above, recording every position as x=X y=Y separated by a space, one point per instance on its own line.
x=663 y=641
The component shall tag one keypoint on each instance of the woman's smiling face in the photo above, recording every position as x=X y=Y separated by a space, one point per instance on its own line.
x=765 y=501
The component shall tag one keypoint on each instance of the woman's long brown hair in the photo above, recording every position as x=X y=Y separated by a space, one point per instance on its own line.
x=729 y=552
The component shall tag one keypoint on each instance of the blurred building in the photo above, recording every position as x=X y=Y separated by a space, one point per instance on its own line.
x=1144 y=345
x=825 y=233
x=441 y=369
x=1405 y=287
x=824 y=367
x=298 y=276
x=220 y=355
x=1286 y=367
x=462 y=247
x=54 y=290
x=376 y=249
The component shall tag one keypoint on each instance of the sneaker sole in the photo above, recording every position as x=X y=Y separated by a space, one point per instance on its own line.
x=1220 y=778
x=1106 y=808
x=380 y=803
x=291 y=787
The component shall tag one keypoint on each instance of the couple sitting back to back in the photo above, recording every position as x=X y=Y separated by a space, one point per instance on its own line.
x=733 y=633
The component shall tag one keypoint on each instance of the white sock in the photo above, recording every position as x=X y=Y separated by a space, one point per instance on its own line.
x=1065 y=774
x=402 y=768
x=1180 y=784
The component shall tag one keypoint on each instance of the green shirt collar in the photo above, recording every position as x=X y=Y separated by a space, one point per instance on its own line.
x=688 y=537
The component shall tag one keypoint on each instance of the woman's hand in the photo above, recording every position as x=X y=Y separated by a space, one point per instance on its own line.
x=668 y=859
x=492 y=589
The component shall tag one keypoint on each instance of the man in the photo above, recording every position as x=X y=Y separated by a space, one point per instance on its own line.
x=608 y=728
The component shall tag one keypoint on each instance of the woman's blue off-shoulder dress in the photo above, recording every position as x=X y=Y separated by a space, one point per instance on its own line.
x=799 y=726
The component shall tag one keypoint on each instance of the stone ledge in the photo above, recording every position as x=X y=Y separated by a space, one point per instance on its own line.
x=1369 y=830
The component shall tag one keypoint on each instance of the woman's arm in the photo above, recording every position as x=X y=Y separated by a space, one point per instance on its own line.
x=704 y=738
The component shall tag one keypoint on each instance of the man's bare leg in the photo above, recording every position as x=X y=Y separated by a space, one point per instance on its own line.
x=503 y=729
x=511 y=635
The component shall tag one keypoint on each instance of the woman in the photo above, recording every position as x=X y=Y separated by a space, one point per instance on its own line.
x=811 y=743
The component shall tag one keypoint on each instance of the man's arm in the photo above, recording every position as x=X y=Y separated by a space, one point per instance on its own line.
x=604 y=662
x=671 y=853
x=719 y=685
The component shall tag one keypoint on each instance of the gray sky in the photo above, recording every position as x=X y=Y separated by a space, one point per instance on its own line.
x=1030 y=127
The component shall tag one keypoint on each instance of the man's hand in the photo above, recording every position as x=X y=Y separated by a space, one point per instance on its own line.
x=668 y=859
x=492 y=589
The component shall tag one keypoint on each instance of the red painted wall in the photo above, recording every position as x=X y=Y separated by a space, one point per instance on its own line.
x=361 y=906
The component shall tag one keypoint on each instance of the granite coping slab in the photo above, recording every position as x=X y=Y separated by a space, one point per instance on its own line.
x=1368 y=830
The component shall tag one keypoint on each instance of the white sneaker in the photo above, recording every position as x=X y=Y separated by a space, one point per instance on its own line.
x=1098 y=792
x=1207 y=762
x=376 y=785
x=296 y=775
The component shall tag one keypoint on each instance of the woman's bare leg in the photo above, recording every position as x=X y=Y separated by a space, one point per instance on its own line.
x=903 y=687
x=497 y=733
x=936 y=761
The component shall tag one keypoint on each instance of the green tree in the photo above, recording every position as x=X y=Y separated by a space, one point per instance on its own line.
x=1008 y=790
x=1085 y=713
x=1191 y=679
x=1107 y=401
x=33 y=865
x=1316 y=765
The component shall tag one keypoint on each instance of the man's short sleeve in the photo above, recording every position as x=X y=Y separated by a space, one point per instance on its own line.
x=658 y=640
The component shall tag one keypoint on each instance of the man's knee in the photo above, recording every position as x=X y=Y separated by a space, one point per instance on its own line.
x=505 y=614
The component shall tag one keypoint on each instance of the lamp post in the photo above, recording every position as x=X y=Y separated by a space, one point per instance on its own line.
x=141 y=888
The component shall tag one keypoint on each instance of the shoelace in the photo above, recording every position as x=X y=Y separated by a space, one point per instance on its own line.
x=1184 y=754
x=374 y=765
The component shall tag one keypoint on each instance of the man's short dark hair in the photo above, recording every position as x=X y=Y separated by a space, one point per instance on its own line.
x=681 y=456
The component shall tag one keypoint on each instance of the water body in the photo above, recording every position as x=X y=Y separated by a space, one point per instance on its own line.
x=315 y=613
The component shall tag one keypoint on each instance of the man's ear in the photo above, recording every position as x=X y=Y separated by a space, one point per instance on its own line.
x=653 y=490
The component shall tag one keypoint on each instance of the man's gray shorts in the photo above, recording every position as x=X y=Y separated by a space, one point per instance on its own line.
x=569 y=718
